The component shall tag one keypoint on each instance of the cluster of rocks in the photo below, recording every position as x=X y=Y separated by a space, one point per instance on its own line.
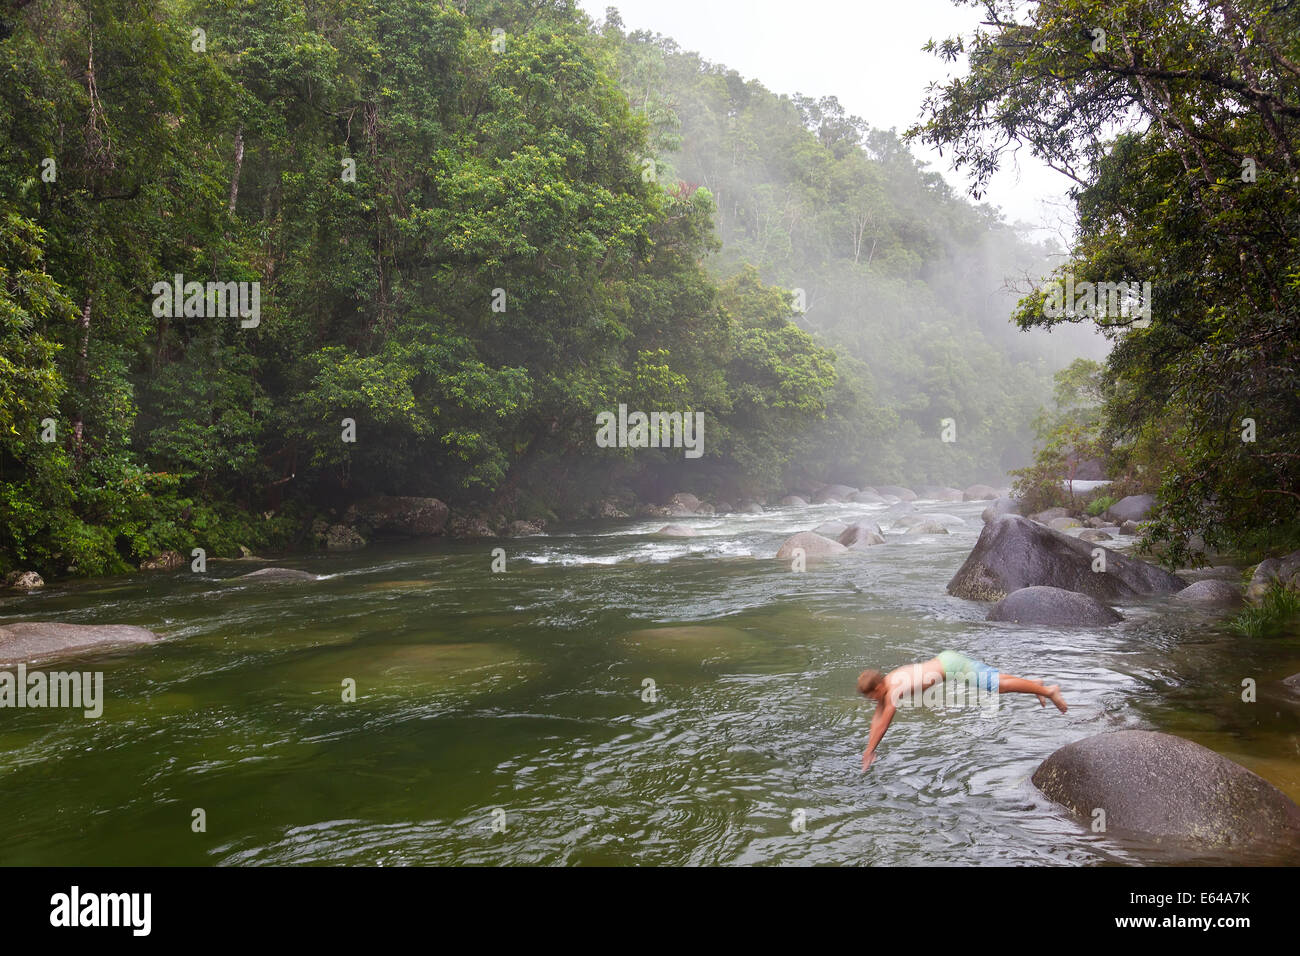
x=819 y=494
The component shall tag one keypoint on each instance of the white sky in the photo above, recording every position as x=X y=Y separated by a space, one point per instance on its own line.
x=866 y=53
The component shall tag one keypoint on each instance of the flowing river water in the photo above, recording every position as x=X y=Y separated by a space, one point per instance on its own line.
x=501 y=718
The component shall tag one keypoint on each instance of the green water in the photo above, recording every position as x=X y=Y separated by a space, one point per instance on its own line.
x=522 y=692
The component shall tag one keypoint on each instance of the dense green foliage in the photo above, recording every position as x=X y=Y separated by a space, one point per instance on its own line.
x=1180 y=124
x=903 y=278
x=461 y=257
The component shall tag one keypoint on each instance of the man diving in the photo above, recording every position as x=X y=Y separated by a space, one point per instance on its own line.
x=910 y=680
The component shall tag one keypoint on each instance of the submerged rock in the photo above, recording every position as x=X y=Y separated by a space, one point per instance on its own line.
x=1053 y=606
x=862 y=534
x=24 y=642
x=1014 y=552
x=277 y=574
x=1171 y=790
x=979 y=493
x=1092 y=534
x=676 y=531
x=814 y=545
x=927 y=526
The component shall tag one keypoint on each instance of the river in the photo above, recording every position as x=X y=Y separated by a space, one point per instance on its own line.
x=505 y=718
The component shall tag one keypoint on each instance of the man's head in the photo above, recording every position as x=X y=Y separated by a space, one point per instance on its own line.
x=871 y=684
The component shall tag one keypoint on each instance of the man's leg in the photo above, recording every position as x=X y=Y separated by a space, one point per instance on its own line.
x=1018 y=685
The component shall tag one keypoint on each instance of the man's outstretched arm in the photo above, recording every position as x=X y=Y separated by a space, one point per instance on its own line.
x=880 y=721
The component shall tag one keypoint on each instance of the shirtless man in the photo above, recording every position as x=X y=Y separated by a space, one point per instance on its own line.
x=910 y=680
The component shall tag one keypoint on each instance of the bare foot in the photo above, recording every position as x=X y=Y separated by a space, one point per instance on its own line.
x=1054 y=695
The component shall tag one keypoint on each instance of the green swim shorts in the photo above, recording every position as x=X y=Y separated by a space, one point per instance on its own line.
x=956 y=667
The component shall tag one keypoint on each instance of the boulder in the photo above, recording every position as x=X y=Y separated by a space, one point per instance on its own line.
x=896 y=491
x=750 y=508
x=1292 y=683
x=793 y=501
x=1054 y=607
x=940 y=493
x=1014 y=552
x=24 y=580
x=24 y=642
x=685 y=501
x=928 y=526
x=165 y=561
x=866 y=498
x=1169 y=790
x=519 y=529
x=862 y=534
x=1000 y=506
x=1129 y=528
x=1049 y=515
x=1132 y=508
x=647 y=510
x=609 y=509
x=397 y=515
x=830 y=529
x=890 y=499
x=723 y=508
x=342 y=537
x=1063 y=523
x=273 y=575
x=814 y=545
x=1211 y=593
x=1092 y=534
x=470 y=526
x=676 y=531
x=1096 y=522
x=830 y=493
x=979 y=493
x=1284 y=570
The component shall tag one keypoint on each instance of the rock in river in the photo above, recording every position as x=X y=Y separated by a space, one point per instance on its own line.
x=277 y=574
x=1169 y=789
x=1053 y=606
x=24 y=641
x=1211 y=593
x=1014 y=552
x=814 y=545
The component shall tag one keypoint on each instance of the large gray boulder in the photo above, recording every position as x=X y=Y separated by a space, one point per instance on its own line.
x=1170 y=790
x=1053 y=606
x=1211 y=593
x=398 y=515
x=1048 y=515
x=1063 y=523
x=1013 y=553
x=25 y=642
x=813 y=545
x=862 y=534
x=1132 y=508
x=273 y=575
x=833 y=493
x=688 y=503
x=1094 y=535
x=979 y=493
